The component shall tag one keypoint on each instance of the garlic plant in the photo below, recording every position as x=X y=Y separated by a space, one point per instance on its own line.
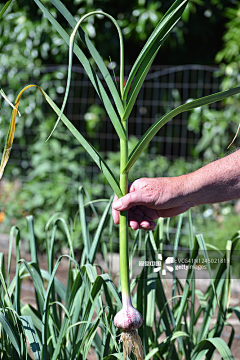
x=128 y=319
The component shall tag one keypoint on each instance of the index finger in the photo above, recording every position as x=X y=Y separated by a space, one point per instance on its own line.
x=115 y=213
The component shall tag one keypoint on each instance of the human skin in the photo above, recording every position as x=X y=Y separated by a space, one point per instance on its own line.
x=151 y=198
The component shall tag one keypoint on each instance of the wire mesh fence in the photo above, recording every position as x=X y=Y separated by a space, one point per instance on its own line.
x=164 y=88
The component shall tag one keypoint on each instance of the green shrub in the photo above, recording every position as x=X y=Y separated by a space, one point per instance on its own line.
x=217 y=128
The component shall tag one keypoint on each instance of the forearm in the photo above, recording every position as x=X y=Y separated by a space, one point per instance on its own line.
x=216 y=182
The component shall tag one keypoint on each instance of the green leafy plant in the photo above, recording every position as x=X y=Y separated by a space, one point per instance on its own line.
x=124 y=100
x=62 y=325
x=74 y=315
x=219 y=127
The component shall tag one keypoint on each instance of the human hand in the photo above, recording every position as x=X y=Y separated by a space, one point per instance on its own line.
x=151 y=198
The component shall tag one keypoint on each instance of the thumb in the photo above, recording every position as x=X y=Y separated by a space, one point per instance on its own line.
x=128 y=201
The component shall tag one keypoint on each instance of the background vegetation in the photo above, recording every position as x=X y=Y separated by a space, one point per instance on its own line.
x=29 y=42
x=64 y=320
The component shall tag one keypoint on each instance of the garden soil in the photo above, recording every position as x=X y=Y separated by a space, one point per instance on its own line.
x=27 y=289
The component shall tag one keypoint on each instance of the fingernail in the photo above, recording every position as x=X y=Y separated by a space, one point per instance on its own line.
x=146 y=225
x=117 y=204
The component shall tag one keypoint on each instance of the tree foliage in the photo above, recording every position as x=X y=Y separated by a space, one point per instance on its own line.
x=219 y=127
